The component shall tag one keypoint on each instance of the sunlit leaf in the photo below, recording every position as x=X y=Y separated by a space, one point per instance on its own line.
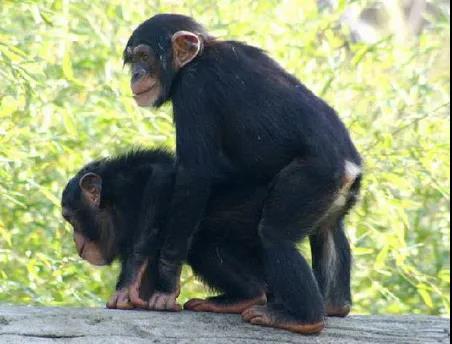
x=65 y=100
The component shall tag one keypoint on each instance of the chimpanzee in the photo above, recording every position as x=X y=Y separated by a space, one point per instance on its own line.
x=239 y=114
x=118 y=208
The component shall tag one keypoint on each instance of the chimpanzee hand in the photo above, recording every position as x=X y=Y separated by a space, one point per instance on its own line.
x=120 y=300
x=143 y=284
x=130 y=296
x=161 y=301
x=168 y=287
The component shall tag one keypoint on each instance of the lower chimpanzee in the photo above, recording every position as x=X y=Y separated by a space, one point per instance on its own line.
x=118 y=208
x=238 y=114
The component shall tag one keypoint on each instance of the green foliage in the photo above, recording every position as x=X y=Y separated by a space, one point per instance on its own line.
x=64 y=100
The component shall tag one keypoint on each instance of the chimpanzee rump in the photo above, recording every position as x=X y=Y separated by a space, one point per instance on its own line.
x=239 y=114
x=118 y=209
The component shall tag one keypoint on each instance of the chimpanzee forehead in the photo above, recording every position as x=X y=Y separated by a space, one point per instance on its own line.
x=171 y=23
x=158 y=30
x=156 y=40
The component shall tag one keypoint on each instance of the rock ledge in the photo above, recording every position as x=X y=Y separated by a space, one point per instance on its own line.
x=93 y=326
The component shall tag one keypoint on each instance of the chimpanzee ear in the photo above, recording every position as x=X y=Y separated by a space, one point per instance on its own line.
x=186 y=46
x=91 y=186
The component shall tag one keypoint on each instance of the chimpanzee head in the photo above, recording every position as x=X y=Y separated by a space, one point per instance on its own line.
x=92 y=221
x=157 y=50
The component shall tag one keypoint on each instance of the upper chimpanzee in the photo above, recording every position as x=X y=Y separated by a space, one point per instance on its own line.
x=238 y=114
x=118 y=208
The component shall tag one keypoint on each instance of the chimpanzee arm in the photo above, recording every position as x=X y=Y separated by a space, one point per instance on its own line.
x=120 y=283
x=154 y=205
x=189 y=200
x=138 y=275
x=197 y=146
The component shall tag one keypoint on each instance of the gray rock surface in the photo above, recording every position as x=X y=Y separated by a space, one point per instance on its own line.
x=32 y=325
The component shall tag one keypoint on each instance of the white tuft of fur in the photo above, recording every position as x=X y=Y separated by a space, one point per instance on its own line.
x=330 y=258
x=352 y=170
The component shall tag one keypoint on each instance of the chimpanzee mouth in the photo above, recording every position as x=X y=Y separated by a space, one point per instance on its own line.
x=143 y=92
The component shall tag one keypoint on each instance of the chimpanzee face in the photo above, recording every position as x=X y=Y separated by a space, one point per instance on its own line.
x=93 y=227
x=153 y=69
x=146 y=70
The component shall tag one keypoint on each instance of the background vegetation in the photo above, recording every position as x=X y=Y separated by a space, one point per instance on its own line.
x=64 y=100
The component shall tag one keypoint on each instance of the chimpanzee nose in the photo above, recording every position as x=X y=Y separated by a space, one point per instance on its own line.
x=138 y=74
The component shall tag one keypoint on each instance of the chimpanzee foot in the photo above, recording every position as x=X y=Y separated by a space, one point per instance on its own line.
x=120 y=300
x=224 y=304
x=160 y=301
x=338 y=311
x=273 y=317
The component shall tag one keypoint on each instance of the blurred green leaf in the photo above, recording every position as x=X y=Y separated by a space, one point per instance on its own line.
x=65 y=100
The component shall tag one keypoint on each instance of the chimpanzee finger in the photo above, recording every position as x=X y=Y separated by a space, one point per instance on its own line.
x=177 y=308
x=164 y=302
x=123 y=301
x=172 y=305
x=124 y=304
x=160 y=304
x=134 y=297
x=111 y=304
x=153 y=301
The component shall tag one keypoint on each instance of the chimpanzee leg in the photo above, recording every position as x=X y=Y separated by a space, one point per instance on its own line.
x=331 y=261
x=301 y=194
x=231 y=268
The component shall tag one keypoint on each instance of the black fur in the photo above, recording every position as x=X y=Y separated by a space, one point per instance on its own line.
x=129 y=210
x=239 y=115
x=225 y=253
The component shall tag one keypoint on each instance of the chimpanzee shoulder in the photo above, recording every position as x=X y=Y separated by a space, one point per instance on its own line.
x=124 y=173
x=128 y=162
x=243 y=87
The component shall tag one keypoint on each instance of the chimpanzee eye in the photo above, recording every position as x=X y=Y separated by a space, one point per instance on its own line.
x=145 y=57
